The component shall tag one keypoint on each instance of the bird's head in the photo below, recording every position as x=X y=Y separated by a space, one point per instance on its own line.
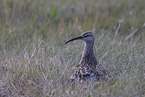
x=88 y=37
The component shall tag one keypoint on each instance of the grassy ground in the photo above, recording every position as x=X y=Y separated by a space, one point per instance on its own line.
x=35 y=62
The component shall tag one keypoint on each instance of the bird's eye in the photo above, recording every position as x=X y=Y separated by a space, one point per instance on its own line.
x=86 y=35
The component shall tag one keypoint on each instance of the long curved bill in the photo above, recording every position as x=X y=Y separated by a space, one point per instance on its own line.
x=76 y=38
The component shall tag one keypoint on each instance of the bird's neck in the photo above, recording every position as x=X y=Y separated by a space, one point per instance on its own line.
x=88 y=50
x=88 y=53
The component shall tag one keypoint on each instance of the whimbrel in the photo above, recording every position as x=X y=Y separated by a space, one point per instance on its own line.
x=88 y=68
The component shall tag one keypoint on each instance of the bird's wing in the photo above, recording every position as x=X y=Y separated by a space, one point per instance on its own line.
x=82 y=71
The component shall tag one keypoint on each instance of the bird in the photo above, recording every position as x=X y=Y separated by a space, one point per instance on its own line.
x=88 y=69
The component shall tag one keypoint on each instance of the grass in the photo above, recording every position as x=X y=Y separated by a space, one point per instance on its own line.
x=35 y=62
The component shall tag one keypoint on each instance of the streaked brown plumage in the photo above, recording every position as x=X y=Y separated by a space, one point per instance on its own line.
x=88 y=68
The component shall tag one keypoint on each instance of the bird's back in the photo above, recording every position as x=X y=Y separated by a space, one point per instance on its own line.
x=90 y=71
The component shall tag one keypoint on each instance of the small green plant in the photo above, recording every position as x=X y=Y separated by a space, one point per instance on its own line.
x=53 y=13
